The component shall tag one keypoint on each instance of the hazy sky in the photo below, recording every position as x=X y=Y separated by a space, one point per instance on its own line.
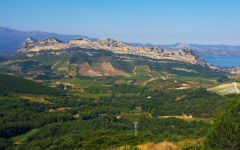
x=147 y=21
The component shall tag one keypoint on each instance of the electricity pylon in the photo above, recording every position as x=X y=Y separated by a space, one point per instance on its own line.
x=135 y=127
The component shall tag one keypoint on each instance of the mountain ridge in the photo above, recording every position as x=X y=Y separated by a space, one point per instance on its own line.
x=184 y=54
x=12 y=39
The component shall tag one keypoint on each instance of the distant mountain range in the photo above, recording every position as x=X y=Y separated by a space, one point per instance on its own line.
x=11 y=41
x=54 y=56
x=50 y=59
x=200 y=49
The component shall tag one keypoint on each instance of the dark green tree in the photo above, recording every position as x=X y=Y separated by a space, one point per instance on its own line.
x=226 y=131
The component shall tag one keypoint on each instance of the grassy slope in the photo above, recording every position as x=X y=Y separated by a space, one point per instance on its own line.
x=24 y=105
x=19 y=85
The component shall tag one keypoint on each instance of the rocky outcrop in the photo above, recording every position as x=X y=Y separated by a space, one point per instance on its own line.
x=29 y=43
x=230 y=71
x=233 y=70
x=184 y=54
x=34 y=45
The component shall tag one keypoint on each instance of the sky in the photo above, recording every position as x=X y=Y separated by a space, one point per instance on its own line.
x=143 y=21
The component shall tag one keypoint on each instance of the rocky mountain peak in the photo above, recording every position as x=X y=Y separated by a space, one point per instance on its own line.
x=79 y=41
x=187 y=50
x=112 y=43
x=52 y=40
x=30 y=40
x=29 y=43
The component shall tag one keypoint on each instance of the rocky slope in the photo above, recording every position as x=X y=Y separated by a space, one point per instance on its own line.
x=201 y=49
x=184 y=55
x=75 y=61
x=46 y=44
x=95 y=58
x=11 y=39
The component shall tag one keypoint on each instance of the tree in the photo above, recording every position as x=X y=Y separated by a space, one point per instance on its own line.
x=226 y=131
x=154 y=113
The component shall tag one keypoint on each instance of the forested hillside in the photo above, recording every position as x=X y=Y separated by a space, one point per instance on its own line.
x=225 y=133
x=98 y=113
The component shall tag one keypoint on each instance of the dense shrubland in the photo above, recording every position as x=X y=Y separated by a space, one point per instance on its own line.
x=103 y=121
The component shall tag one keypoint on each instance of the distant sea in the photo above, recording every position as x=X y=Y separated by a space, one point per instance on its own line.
x=228 y=61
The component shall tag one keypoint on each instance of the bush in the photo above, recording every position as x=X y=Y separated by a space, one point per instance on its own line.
x=226 y=131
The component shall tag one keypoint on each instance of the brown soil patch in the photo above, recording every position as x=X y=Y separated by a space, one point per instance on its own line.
x=158 y=146
x=100 y=69
x=37 y=99
x=60 y=109
x=179 y=98
x=87 y=70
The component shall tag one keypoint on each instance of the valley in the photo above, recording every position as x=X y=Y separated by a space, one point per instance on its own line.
x=119 y=75
x=108 y=106
x=89 y=97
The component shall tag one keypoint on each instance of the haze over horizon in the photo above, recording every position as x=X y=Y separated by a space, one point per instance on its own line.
x=120 y=74
x=157 y=22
